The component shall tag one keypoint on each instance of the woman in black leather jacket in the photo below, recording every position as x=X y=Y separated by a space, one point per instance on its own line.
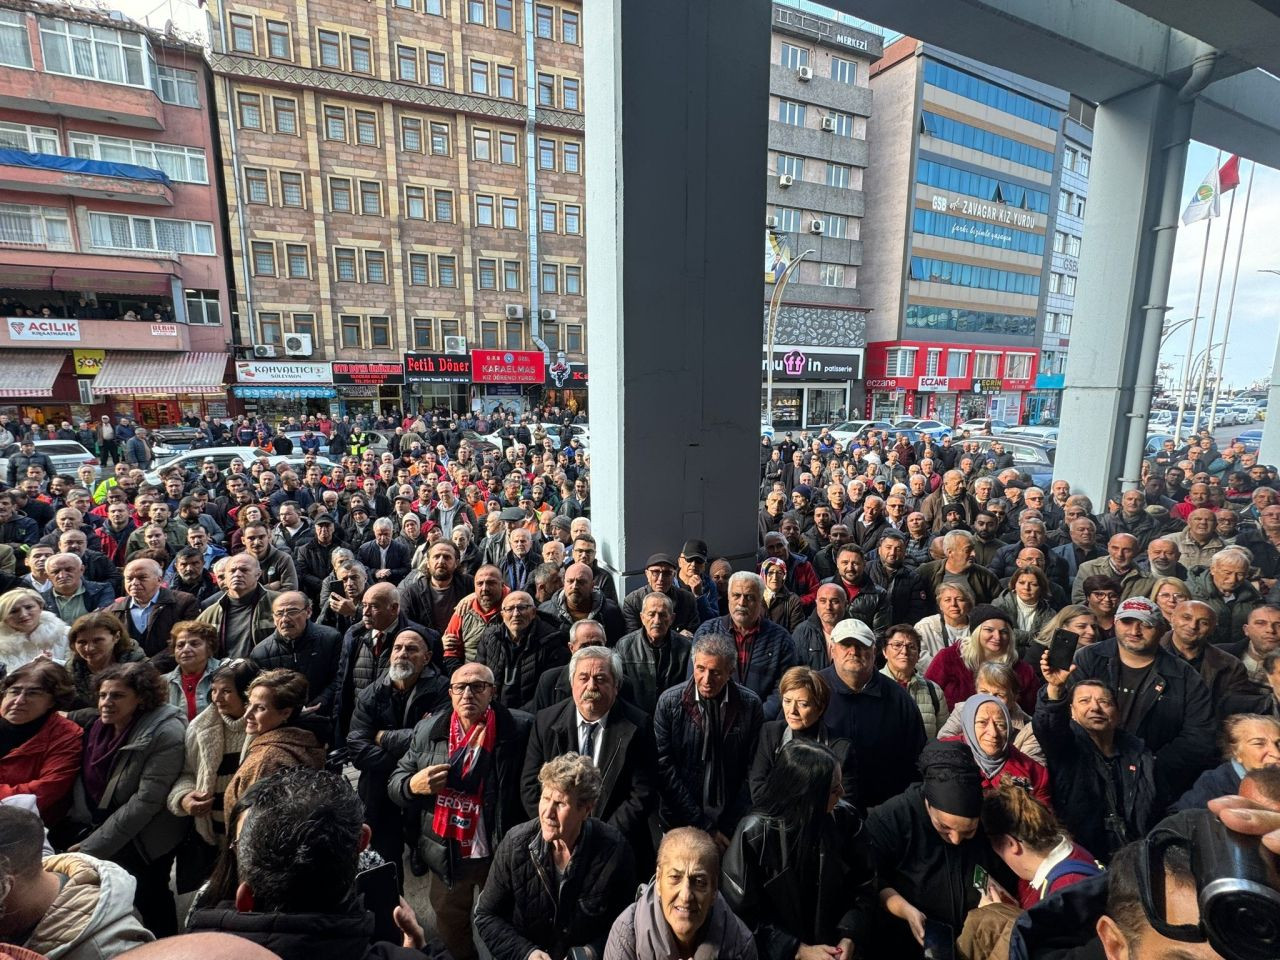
x=796 y=871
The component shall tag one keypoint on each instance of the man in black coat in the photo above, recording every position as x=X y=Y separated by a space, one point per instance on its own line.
x=304 y=646
x=579 y=600
x=313 y=558
x=519 y=646
x=149 y=610
x=887 y=569
x=617 y=736
x=382 y=725
x=386 y=560
x=660 y=577
x=430 y=594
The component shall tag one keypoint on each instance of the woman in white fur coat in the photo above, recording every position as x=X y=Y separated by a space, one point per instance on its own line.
x=28 y=630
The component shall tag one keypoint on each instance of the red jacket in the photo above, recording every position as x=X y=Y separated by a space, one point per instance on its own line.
x=1020 y=767
x=949 y=672
x=46 y=765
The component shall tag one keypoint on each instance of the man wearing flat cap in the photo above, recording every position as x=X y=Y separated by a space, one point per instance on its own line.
x=660 y=577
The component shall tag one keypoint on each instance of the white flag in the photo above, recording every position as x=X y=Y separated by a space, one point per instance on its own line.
x=1204 y=203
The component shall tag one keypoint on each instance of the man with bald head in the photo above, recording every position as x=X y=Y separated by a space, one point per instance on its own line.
x=148 y=610
x=298 y=643
x=1199 y=541
x=1190 y=636
x=579 y=599
x=1197 y=497
x=831 y=605
x=242 y=611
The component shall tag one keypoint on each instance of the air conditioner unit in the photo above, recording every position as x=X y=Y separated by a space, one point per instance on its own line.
x=456 y=345
x=828 y=123
x=786 y=180
x=515 y=311
x=815 y=226
x=771 y=223
x=264 y=350
x=298 y=344
x=805 y=73
x=547 y=316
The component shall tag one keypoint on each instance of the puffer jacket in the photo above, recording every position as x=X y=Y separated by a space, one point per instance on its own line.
x=871 y=605
x=525 y=907
x=45 y=766
x=92 y=916
x=376 y=710
x=651 y=669
x=518 y=667
x=772 y=654
x=502 y=807
x=1231 y=616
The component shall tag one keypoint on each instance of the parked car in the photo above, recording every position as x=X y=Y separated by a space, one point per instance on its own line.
x=1041 y=434
x=378 y=437
x=556 y=432
x=171 y=440
x=1252 y=440
x=852 y=430
x=192 y=460
x=1155 y=443
x=934 y=428
x=67 y=456
x=1029 y=457
x=984 y=427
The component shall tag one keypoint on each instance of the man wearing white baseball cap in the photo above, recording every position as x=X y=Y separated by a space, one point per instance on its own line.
x=876 y=715
x=1161 y=698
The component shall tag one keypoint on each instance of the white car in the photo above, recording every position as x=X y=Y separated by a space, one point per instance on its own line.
x=67 y=456
x=983 y=427
x=192 y=460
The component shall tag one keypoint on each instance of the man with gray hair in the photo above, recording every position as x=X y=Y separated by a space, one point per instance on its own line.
x=615 y=735
x=706 y=730
x=958 y=566
x=1224 y=587
x=764 y=650
x=387 y=560
x=1031 y=533
x=71 y=595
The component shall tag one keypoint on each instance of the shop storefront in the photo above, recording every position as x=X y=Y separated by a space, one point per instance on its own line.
x=1044 y=403
x=811 y=385
x=159 y=389
x=434 y=381
x=510 y=379
x=39 y=385
x=920 y=392
x=566 y=385
x=368 y=388
x=277 y=390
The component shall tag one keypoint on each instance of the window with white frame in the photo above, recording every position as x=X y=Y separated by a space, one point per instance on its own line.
x=788 y=219
x=15 y=46
x=1073 y=245
x=1064 y=323
x=116 y=231
x=202 y=308
x=958 y=363
x=1050 y=321
x=174 y=85
x=831 y=274
x=932 y=359
x=790 y=165
x=47 y=227
x=900 y=362
x=1018 y=366
x=95 y=53
x=1068 y=285
x=23 y=136
x=844 y=71
x=794 y=57
x=184 y=164
x=986 y=366
x=791 y=113
x=834 y=225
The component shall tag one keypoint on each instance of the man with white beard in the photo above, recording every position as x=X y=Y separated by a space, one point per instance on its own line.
x=382 y=725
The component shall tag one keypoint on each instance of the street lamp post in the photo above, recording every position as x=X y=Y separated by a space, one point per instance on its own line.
x=775 y=304
x=1269 y=450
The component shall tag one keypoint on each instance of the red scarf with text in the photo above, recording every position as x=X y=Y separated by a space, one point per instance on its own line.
x=460 y=802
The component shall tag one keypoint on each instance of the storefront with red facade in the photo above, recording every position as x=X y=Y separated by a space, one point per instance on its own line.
x=948 y=382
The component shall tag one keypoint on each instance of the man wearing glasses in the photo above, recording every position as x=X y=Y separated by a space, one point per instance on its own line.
x=461 y=775
x=660 y=577
x=302 y=645
x=518 y=648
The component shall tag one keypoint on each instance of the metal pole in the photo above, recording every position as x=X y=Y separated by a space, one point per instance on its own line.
x=1231 y=302
x=775 y=304
x=1191 y=345
x=1213 y=316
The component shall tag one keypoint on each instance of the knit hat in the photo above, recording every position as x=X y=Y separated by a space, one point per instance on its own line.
x=986 y=611
x=804 y=490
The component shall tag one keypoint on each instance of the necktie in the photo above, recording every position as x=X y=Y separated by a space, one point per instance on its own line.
x=588 y=739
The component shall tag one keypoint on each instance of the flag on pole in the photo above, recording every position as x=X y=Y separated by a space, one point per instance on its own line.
x=1229 y=175
x=1204 y=202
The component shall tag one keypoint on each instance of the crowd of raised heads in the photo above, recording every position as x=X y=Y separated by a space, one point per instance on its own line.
x=372 y=694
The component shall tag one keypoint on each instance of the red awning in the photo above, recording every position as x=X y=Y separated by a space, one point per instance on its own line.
x=126 y=374
x=140 y=283
x=29 y=374
x=17 y=276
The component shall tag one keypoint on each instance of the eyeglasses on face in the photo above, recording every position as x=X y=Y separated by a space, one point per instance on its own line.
x=475 y=686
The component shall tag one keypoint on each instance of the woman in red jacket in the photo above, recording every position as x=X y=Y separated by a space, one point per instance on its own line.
x=985 y=722
x=39 y=748
x=990 y=637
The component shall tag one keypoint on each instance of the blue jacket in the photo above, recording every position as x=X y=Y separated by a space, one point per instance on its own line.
x=97 y=596
x=773 y=653
x=1221 y=781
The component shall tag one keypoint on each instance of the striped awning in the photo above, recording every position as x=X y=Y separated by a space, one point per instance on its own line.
x=128 y=374
x=29 y=373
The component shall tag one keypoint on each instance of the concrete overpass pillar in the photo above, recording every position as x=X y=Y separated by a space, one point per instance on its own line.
x=676 y=115
x=1139 y=156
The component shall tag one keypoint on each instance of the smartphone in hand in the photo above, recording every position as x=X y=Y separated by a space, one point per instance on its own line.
x=1062 y=649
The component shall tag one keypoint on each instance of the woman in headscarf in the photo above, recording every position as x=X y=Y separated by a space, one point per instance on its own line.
x=985 y=730
x=999 y=680
x=780 y=605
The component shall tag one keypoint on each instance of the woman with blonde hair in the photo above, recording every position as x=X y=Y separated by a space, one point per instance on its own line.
x=1075 y=618
x=990 y=638
x=804 y=695
x=1168 y=592
x=28 y=630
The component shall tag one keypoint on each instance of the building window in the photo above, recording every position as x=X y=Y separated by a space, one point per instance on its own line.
x=507 y=82
x=544 y=19
x=475 y=12
x=177 y=86
x=480 y=77
x=278 y=45
x=350 y=327
x=512 y=275
x=1055 y=282
x=844 y=123
x=932 y=360
x=569 y=26
x=573 y=219
x=1077 y=206
x=551 y=336
x=375 y=266
x=515 y=336
x=900 y=362
x=1064 y=324
x=986 y=366
x=510 y=213
x=298 y=260
x=22 y=136
x=570 y=94
x=1064 y=201
x=481 y=144
x=185 y=164
x=340 y=195
x=366 y=128
x=489 y=334
x=255 y=185
x=264 y=259
x=121 y=232
x=487 y=274
x=844 y=71
x=440 y=139
x=422 y=334
x=15 y=47
x=371 y=198
x=285 y=115
x=447 y=272
x=573 y=338
x=96 y=53
x=249 y=108
x=790 y=166
x=572 y=156
x=330 y=45
x=546 y=154
x=788 y=219
x=202 y=308
x=484 y=210
x=508 y=148
x=305 y=323
x=573 y=280
x=361 y=55
x=444 y=206
x=335 y=123
x=380 y=332
x=1018 y=366
x=1082 y=165
x=450 y=328
x=419 y=269
x=831 y=274
x=958 y=363
x=504 y=15
x=1068 y=158
x=549 y=275
x=437 y=71
x=242 y=32
x=415 y=203
x=1068 y=285
x=838 y=175
x=791 y=113
x=546 y=90
x=834 y=225
x=1059 y=241
x=793 y=57
x=547 y=216
x=269 y=329
x=344 y=259
x=1073 y=245
x=47 y=227
x=1050 y=320
x=411 y=134
x=406 y=63
x=433 y=7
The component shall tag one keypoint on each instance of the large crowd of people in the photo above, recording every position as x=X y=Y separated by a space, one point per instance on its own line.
x=944 y=713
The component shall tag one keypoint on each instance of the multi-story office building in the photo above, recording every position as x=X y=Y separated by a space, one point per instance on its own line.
x=962 y=192
x=403 y=177
x=113 y=290
x=1044 y=403
x=819 y=110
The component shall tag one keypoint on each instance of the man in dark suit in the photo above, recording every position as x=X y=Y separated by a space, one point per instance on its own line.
x=660 y=577
x=149 y=610
x=386 y=560
x=617 y=737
